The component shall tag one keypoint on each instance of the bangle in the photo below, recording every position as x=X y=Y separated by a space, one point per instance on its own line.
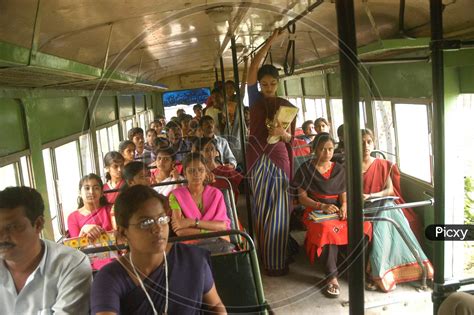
x=196 y=223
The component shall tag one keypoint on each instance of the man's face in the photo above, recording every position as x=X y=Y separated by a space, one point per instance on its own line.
x=18 y=236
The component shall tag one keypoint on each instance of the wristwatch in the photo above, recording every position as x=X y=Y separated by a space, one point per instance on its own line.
x=196 y=223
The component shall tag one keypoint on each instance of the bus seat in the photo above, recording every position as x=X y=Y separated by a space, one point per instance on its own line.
x=231 y=208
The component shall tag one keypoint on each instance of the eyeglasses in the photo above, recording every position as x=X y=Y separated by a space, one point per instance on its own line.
x=149 y=223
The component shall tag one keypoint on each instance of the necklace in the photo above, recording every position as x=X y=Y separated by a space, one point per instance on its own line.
x=165 y=312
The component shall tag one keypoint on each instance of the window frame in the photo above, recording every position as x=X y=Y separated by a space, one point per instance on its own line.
x=15 y=159
x=51 y=146
x=414 y=101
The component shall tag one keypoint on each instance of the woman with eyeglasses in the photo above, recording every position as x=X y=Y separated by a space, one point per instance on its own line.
x=154 y=277
x=197 y=208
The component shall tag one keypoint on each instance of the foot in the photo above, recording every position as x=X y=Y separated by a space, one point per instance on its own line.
x=332 y=288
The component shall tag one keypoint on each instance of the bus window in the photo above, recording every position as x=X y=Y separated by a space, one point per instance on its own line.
x=67 y=166
x=315 y=108
x=114 y=137
x=126 y=126
x=384 y=130
x=52 y=199
x=413 y=140
x=86 y=155
x=25 y=171
x=298 y=102
x=8 y=176
x=142 y=122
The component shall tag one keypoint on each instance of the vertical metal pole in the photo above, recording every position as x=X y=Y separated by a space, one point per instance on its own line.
x=437 y=64
x=225 y=97
x=242 y=133
x=350 y=99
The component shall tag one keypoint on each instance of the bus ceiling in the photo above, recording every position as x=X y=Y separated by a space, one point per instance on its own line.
x=141 y=45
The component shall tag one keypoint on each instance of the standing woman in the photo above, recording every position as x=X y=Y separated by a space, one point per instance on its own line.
x=269 y=165
x=113 y=162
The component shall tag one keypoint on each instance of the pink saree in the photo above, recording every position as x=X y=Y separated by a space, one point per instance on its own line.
x=214 y=208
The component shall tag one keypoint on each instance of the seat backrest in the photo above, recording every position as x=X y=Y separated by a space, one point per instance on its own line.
x=231 y=213
x=235 y=281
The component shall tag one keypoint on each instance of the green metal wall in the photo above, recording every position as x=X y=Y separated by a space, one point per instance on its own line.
x=61 y=117
x=466 y=78
x=139 y=103
x=314 y=85
x=12 y=127
x=125 y=103
x=105 y=110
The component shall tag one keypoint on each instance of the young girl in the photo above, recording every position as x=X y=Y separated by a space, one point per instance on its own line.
x=166 y=171
x=93 y=216
x=207 y=147
x=113 y=162
x=135 y=173
x=127 y=149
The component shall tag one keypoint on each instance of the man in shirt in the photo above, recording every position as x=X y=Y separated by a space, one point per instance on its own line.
x=175 y=137
x=207 y=125
x=37 y=276
x=136 y=136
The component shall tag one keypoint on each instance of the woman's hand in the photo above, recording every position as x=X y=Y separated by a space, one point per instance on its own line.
x=329 y=208
x=277 y=33
x=174 y=173
x=343 y=212
x=92 y=231
x=210 y=178
x=366 y=196
x=182 y=223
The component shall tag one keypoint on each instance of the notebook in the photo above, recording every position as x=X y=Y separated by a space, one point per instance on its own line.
x=285 y=115
x=320 y=216
x=106 y=239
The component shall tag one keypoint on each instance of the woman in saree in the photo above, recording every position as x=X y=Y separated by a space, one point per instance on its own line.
x=269 y=165
x=321 y=186
x=94 y=216
x=197 y=208
x=390 y=260
x=154 y=276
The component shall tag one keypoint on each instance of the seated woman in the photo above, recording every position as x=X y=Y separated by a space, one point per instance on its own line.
x=135 y=173
x=93 y=217
x=154 y=276
x=166 y=171
x=321 y=186
x=390 y=260
x=197 y=208
x=208 y=148
x=127 y=149
x=113 y=163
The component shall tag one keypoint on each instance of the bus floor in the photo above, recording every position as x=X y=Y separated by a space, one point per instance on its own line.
x=301 y=291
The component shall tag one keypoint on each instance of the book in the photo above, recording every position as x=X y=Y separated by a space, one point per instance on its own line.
x=284 y=115
x=320 y=216
x=105 y=239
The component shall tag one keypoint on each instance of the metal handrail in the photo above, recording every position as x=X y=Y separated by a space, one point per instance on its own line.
x=182 y=181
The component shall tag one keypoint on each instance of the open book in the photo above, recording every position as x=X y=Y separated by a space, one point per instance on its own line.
x=320 y=216
x=285 y=115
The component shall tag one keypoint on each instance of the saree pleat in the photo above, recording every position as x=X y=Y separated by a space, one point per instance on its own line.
x=391 y=261
x=270 y=205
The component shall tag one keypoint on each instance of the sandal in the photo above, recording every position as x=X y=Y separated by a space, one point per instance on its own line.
x=370 y=286
x=332 y=290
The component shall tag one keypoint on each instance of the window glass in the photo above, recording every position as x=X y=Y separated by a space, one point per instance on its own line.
x=128 y=126
x=114 y=137
x=50 y=185
x=384 y=130
x=67 y=163
x=337 y=115
x=414 y=144
x=25 y=174
x=315 y=108
x=8 y=176
x=298 y=102
x=102 y=147
x=86 y=155
x=141 y=117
